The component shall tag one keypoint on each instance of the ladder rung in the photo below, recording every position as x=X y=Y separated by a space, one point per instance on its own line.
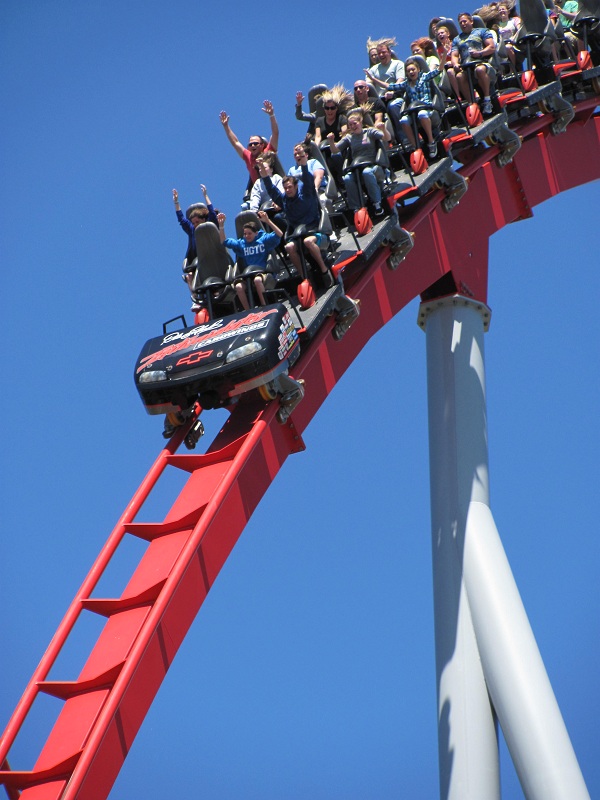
x=190 y=463
x=106 y=607
x=154 y=530
x=20 y=779
x=67 y=689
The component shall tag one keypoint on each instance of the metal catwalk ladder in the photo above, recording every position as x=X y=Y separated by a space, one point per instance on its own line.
x=104 y=708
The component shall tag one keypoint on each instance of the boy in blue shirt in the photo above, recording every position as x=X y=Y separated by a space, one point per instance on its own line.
x=254 y=247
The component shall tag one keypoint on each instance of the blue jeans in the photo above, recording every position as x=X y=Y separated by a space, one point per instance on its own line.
x=394 y=110
x=370 y=176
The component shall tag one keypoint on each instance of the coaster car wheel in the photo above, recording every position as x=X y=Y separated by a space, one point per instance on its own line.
x=293 y=392
x=267 y=391
x=174 y=418
x=543 y=107
x=347 y=313
x=195 y=433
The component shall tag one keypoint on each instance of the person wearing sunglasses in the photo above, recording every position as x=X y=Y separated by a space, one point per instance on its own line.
x=336 y=102
x=256 y=144
x=373 y=108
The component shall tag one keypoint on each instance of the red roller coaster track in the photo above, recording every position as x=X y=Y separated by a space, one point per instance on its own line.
x=104 y=708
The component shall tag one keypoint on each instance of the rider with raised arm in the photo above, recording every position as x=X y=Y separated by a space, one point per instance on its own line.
x=418 y=88
x=259 y=197
x=195 y=215
x=254 y=247
x=256 y=144
x=305 y=116
x=315 y=167
x=300 y=203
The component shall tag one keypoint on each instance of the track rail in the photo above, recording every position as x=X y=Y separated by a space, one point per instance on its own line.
x=105 y=706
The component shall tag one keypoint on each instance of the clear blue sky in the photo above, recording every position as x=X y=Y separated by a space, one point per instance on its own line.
x=309 y=671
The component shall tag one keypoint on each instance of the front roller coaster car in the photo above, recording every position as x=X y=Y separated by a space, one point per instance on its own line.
x=218 y=360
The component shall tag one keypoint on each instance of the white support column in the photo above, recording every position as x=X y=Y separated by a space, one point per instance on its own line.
x=467 y=737
x=484 y=642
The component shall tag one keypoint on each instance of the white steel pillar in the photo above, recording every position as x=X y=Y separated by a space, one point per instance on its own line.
x=487 y=659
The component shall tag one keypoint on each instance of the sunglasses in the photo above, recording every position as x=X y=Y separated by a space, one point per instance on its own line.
x=199 y=216
x=330 y=108
x=254 y=144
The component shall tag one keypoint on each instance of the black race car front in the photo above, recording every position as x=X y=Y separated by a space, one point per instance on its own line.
x=217 y=360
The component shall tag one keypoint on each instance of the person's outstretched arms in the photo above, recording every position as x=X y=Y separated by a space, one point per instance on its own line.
x=264 y=218
x=221 y=219
x=268 y=109
x=235 y=142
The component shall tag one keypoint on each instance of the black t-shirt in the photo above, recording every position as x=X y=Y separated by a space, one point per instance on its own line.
x=377 y=107
x=321 y=123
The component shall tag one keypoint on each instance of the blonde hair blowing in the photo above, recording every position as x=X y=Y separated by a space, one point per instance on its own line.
x=339 y=95
x=389 y=41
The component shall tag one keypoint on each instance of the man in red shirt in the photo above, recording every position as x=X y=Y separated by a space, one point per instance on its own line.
x=256 y=144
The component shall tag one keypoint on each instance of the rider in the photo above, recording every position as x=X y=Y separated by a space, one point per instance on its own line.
x=256 y=144
x=418 y=89
x=315 y=167
x=254 y=247
x=195 y=215
x=362 y=143
x=474 y=44
x=300 y=203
